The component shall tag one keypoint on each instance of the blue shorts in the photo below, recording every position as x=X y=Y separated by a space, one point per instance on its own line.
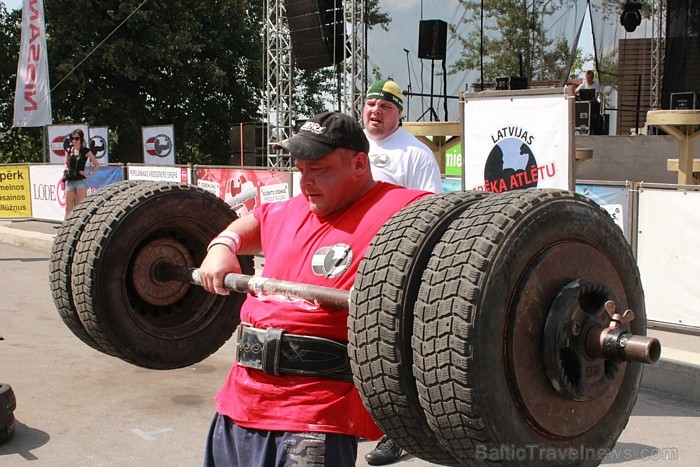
x=75 y=185
x=231 y=445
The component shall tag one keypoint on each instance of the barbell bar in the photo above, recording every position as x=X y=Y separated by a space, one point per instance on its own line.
x=611 y=343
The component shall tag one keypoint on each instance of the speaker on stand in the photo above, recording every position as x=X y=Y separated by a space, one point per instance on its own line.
x=432 y=45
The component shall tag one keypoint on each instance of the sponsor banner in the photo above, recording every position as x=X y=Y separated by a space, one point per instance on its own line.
x=159 y=173
x=14 y=191
x=48 y=191
x=59 y=140
x=614 y=199
x=158 y=145
x=99 y=143
x=507 y=148
x=453 y=161
x=245 y=189
x=32 y=93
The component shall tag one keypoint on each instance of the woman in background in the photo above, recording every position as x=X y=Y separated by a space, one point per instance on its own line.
x=77 y=155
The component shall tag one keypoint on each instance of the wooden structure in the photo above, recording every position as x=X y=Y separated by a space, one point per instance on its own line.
x=684 y=125
x=438 y=136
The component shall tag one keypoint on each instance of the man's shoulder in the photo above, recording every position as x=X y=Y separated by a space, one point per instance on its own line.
x=413 y=142
x=390 y=191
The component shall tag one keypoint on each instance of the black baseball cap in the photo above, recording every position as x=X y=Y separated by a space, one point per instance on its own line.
x=322 y=134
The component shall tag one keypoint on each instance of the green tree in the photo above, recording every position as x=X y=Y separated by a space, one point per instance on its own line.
x=196 y=65
x=513 y=31
x=132 y=63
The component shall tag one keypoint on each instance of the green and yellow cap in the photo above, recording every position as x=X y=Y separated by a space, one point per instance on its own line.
x=386 y=89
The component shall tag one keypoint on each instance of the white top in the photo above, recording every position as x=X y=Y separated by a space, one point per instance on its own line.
x=403 y=160
x=585 y=85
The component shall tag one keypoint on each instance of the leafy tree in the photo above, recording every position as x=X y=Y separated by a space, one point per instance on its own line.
x=196 y=65
x=132 y=63
x=512 y=32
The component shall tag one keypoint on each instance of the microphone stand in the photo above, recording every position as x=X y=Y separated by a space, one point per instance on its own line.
x=408 y=99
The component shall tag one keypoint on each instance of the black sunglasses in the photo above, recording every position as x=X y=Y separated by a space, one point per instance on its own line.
x=76 y=138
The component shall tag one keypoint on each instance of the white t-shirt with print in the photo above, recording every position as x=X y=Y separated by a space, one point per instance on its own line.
x=403 y=160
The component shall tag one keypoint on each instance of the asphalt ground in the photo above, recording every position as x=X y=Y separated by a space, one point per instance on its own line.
x=77 y=406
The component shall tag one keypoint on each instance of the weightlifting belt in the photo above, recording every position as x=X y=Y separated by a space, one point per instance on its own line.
x=274 y=351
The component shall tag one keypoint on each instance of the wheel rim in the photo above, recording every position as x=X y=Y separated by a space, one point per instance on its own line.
x=554 y=414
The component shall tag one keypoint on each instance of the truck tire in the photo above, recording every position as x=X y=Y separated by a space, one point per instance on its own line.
x=479 y=322
x=381 y=319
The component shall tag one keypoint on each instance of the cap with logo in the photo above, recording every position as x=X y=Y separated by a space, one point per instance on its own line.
x=324 y=133
x=386 y=89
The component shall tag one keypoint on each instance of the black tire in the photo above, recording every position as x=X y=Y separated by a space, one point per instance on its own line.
x=64 y=247
x=8 y=403
x=478 y=327
x=106 y=287
x=381 y=319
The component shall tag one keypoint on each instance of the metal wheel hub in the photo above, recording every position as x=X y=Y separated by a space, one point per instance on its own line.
x=578 y=309
x=145 y=266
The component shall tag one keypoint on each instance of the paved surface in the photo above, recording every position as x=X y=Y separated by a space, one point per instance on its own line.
x=77 y=406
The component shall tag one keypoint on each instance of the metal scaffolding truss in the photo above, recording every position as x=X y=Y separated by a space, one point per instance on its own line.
x=280 y=72
x=355 y=81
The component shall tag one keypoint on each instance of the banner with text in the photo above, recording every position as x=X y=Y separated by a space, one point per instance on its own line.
x=32 y=93
x=513 y=142
x=48 y=191
x=245 y=189
x=158 y=145
x=14 y=191
x=159 y=173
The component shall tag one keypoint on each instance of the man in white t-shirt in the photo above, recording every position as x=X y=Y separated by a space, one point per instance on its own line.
x=396 y=155
x=588 y=83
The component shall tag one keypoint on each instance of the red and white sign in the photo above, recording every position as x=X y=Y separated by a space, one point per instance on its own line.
x=158 y=145
x=32 y=94
x=59 y=136
x=245 y=189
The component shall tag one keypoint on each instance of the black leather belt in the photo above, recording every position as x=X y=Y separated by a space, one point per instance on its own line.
x=274 y=351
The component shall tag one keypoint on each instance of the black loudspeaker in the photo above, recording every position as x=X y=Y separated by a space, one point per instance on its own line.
x=432 y=39
x=247 y=143
x=316 y=29
x=682 y=100
x=518 y=82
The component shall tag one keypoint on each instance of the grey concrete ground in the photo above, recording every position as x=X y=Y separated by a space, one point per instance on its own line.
x=76 y=406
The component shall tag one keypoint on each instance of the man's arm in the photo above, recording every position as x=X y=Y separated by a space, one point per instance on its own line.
x=221 y=258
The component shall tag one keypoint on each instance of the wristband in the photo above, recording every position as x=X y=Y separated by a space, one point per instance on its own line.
x=229 y=238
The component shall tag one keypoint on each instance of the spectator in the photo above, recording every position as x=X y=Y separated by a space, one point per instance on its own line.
x=589 y=83
x=77 y=155
x=270 y=411
x=396 y=155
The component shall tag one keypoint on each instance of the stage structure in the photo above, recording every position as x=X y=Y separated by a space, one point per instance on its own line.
x=657 y=55
x=279 y=69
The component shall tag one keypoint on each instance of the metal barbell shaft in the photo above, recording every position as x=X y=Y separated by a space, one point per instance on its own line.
x=323 y=296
